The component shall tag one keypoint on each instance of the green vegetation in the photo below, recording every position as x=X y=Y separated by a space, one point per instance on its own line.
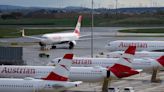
x=130 y=21
x=55 y=22
x=98 y=21
x=32 y=21
x=154 y=30
x=12 y=32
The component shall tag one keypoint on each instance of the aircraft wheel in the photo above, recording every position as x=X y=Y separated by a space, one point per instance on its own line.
x=53 y=47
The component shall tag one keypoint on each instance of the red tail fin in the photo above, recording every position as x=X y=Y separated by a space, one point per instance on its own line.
x=123 y=67
x=121 y=71
x=127 y=57
x=131 y=50
x=161 y=60
x=68 y=56
x=80 y=18
x=61 y=70
x=78 y=25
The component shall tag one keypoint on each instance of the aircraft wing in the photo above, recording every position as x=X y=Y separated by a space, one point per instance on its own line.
x=32 y=37
x=88 y=37
x=83 y=39
x=23 y=35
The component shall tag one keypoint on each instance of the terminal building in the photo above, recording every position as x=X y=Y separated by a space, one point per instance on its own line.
x=11 y=56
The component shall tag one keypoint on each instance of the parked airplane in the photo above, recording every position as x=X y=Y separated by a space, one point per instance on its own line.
x=141 y=54
x=56 y=80
x=88 y=74
x=141 y=45
x=59 y=38
x=146 y=64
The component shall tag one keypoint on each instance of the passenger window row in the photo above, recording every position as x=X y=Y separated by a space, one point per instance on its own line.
x=16 y=86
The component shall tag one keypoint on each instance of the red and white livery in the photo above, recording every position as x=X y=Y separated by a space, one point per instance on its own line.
x=141 y=54
x=146 y=64
x=59 y=38
x=56 y=80
x=87 y=74
x=123 y=67
x=141 y=45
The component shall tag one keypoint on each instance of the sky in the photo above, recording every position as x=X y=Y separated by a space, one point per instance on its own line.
x=85 y=3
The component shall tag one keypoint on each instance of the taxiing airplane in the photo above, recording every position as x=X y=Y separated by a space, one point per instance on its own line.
x=141 y=45
x=87 y=74
x=59 y=38
x=141 y=54
x=56 y=80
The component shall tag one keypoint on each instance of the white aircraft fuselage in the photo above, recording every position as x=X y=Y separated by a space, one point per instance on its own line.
x=53 y=39
x=88 y=74
x=141 y=45
x=54 y=81
x=32 y=85
x=142 y=54
x=146 y=64
x=50 y=39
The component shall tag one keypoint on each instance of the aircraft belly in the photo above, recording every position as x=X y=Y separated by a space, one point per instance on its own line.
x=145 y=67
x=87 y=78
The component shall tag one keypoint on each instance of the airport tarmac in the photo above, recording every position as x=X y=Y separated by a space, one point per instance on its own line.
x=83 y=49
x=140 y=83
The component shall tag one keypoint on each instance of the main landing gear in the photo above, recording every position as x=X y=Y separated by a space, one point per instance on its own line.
x=53 y=47
x=155 y=77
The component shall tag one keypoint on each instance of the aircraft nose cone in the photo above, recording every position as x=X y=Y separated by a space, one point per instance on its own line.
x=161 y=60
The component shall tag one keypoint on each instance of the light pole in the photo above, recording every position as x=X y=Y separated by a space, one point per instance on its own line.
x=116 y=7
x=92 y=32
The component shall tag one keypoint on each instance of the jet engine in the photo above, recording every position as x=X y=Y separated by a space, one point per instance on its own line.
x=72 y=44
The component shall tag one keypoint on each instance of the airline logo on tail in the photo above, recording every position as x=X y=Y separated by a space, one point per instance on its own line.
x=123 y=67
x=77 y=29
x=127 y=57
x=62 y=69
x=129 y=54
